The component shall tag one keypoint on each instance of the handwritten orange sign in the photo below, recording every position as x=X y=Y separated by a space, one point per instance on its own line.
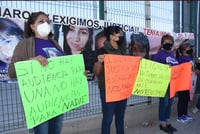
x=180 y=78
x=120 y=75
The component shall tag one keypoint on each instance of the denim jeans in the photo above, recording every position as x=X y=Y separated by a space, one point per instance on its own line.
x=109 y=109
x=183 y=100
x=165 y=107
x=198 y=103
x=52 y=126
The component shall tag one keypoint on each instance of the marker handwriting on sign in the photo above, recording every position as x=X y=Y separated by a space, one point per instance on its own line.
x=152 y=79
x=120 y=74
x=49 y=91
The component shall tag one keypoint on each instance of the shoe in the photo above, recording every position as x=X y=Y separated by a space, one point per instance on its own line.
x=182 y=119
x=166 y=129
x=189 y=118
x=171 y=128
x=195 y=110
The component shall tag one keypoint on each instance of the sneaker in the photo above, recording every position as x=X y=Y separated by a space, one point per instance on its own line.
x=166 y=129
x=171 y=127
x=189 y=118
x=195 y=110
x=182 y=119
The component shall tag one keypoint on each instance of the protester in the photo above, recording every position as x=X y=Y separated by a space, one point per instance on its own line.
x=10 y=35
x=166 y=56
x=197 y=71
x=38 y=37
x=139 y=45
x=112 y=45
x=184 y=54
x=78 y=40
x=197 y=107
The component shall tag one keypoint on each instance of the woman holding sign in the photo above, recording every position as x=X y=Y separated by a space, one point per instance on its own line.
x=112 y=45
x=165 y=55
x=38 y=39
x=184 y=54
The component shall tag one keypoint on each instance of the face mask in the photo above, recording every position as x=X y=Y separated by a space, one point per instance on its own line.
x=189 y=51
x=44 y=29
x=167 y=46
x=120 y=41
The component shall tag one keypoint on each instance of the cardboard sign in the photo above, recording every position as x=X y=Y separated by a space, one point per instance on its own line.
x=52 y=90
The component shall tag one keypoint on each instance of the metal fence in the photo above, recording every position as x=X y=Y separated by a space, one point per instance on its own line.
x=11 y=108
x=124 y=12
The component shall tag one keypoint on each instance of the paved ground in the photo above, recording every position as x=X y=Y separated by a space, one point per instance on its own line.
x=134 y=121
x=192 y=128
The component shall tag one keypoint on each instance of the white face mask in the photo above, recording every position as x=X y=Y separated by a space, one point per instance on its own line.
x=44 y=29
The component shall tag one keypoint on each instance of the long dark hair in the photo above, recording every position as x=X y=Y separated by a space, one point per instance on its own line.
x=182 y=48
x=88 y=46
x=88 y=54
x=111 y=30
x=142 y=40
x=8 y=27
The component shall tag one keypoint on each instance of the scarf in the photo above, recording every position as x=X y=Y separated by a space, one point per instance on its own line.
x=110 y=49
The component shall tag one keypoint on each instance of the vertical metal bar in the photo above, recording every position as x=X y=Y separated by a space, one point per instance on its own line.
x=101 y=10
x=197 y=37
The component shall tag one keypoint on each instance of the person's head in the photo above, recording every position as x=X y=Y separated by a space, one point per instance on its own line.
x=139 y=45
x=99 y=39
x=77 y=38
x=38 y=25
x=184 y=49
x=113 y=33
x=10 y=35
x=167 y=42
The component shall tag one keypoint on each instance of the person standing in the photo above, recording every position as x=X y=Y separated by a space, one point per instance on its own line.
x=166 y=56
x=184 y=54
x=196 y=109
x=37 y=39
x=112 y=45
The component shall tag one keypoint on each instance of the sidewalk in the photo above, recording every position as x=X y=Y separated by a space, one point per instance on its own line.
x=191 y=128
x=136 y=124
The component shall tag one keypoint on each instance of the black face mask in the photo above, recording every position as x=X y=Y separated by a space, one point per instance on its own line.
x=120 y=41
x=189 y=51
x=167 y=46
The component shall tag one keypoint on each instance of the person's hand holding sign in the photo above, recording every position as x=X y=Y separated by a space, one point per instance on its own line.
x=42 y=60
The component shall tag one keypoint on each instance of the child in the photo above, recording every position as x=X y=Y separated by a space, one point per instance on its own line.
x=184 y=54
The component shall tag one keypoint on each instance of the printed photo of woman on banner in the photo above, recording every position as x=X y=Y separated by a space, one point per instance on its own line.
x=11 y=32
x=79 y=40
x=138 y=45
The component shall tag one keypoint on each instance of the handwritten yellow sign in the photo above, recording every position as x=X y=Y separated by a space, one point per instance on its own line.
x=120 y=75
x=152 y=79
x=51 y=90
